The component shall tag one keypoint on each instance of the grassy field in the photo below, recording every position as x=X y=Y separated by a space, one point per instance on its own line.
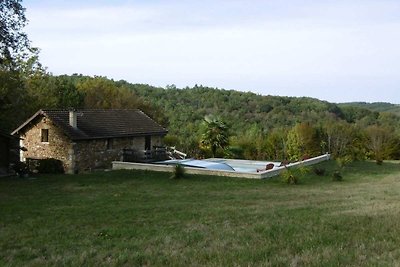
x=132 y=218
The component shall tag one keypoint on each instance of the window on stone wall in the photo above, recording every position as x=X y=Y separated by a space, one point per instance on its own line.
x=45 y=135
x=109 y=143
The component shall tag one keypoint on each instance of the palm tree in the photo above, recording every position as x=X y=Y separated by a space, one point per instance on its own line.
x=215 y=134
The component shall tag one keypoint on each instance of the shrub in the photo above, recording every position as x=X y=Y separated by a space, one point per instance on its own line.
x=235 y=152
x=293 y=175
x=337 y=176
x=319 y=171
x=179 y=172
x=343 y=161
x=303 y=170
x=289 y=177
x=21 y=169
x=50 y=166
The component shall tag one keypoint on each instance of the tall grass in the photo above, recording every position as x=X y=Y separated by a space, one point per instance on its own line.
x=135 y=218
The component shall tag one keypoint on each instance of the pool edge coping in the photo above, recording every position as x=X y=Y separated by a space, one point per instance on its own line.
x=120 y=165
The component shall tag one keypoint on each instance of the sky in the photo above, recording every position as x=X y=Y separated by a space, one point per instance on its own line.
x=334 y=50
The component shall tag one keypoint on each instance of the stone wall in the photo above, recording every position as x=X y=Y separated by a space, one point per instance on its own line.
x=58 y=145
x=97 y=154
x=79 y=155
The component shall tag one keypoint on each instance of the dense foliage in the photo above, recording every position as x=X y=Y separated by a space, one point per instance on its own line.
x=273 y=127
x=376 y=106
x=14 y=43
x=255 y=126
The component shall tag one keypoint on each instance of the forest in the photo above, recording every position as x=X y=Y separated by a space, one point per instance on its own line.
x=258 y=126
x=251 y=126
x=376 y=106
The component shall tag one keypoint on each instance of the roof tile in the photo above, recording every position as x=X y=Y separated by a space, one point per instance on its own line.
x=103 y=123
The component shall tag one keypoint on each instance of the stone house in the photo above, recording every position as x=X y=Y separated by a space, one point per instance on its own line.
x=88 y=139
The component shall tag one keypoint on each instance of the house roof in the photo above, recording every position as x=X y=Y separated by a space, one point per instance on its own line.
x=100 y=123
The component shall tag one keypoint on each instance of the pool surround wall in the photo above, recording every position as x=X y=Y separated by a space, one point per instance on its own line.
x=119 y=165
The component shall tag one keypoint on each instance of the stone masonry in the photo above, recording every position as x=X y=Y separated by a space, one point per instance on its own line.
x=97 y=154
x=57 y=147
x=79 y=155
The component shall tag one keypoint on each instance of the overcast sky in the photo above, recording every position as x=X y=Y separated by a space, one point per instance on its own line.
x=335 y=50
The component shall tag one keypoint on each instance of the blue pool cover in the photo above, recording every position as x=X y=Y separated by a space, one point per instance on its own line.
x=203 y=164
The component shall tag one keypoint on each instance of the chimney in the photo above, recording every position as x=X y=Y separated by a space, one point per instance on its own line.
x=73 y=119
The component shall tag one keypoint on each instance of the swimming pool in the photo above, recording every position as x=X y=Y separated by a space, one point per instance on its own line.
x=220 y=167
x=241 y=165
x=236 y=165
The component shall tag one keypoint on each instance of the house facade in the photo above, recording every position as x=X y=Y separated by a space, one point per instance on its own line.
x=88 y=139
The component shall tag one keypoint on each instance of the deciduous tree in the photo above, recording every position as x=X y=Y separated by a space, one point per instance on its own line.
x=13 y=41
x=378 y=141
x=303 y=141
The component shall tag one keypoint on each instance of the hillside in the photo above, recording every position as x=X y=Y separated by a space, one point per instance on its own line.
x=260 y=126
x=185 y=109
x=376 y=106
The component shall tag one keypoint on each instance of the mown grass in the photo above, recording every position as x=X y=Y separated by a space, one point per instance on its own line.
x=134 y=218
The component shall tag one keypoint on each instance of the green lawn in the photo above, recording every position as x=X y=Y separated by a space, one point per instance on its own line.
x=133 y=218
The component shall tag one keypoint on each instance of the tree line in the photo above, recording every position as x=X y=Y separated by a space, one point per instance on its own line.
x=256 y=126
x=274 y=127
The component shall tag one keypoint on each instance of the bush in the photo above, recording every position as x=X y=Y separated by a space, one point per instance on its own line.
x=303 y=170
x=235 y=152
x=319 y=171
x=293 y=175
x=21 y=169
x=50 y=166
x=337 y=176
x=289 y=177
x=343 y=161
x=179 y=172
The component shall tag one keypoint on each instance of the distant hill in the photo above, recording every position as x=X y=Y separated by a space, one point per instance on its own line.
x=185 y=108
x=255 y=122
x=376 y=106
x=182 y=110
